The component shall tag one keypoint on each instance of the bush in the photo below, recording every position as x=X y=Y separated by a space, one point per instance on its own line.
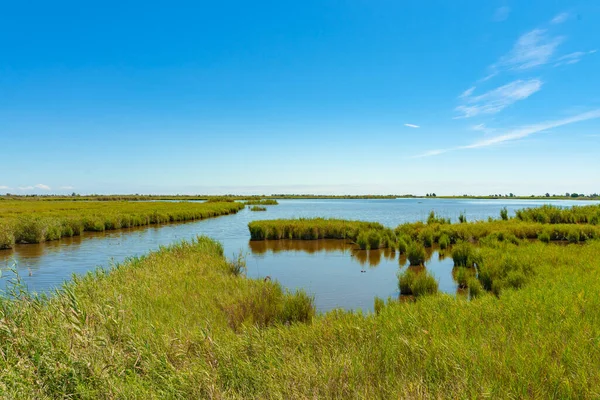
x=444 y=241
x=461 y=275
x=544 y=237
x=463 y=255
x=30 y=230
x=297 y=307
x=462 y=218
x=405 y=281
x=504 y=214
x=574 y=236
x=374 y=239
x=423 y=284
x=363 y=241
x=417 y=283
x=416 y=254
x=426 y=237
x=475 y=288
x=402 y=246
x=237 y=266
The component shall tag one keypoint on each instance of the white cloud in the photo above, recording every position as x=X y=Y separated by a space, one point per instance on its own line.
x=42 y=186
x=498 y=99
x=517 y=134
x=467 y=92
x=532 y=49
x=573 y=58
x=412 y=125
x=66 y=188
x=560 y=18
x=4 y=187
x=501 y=14
x=25 y=188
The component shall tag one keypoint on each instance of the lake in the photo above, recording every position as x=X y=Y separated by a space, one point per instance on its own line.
x=335 y=272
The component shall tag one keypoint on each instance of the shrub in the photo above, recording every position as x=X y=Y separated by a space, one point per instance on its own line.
x=462 y=218
x=363 y=241
x=237 y=266
x=574 y=236
x=461 y=275
x=30 y=230
x=444 y=241
x=475 y=288
x=417 y=283
x=423 y=284
x=297 y=307
x=405 y=281
x=544 y=237
x=7 y=238
x=258 y=208
x=504 y=214
x=426 y=237
x=416 y=254
x=463 y=255
x=374 y=239
x=402 y=246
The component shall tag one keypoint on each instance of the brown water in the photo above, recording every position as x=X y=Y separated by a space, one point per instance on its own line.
x=335 y=272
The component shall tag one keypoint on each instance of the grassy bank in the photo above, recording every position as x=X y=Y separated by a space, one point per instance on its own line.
x=39 y=221
x=181 y=322
x=320 y=228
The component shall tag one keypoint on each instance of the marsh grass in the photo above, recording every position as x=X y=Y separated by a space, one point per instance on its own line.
x=411 y=282
x=262 y=202
x=258 y=208
x=416 y=254
x=25 y=221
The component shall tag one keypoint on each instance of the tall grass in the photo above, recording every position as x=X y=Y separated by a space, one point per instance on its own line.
x=312 y=228
x=39 y=221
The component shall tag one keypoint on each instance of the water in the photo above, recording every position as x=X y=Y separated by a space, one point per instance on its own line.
x=335 y=272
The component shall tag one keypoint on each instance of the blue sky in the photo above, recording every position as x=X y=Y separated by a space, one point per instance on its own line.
x=300 y=97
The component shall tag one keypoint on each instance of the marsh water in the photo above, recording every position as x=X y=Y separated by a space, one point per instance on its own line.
x=335 y=272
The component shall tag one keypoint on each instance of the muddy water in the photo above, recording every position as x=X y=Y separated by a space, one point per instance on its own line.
x=335 y=272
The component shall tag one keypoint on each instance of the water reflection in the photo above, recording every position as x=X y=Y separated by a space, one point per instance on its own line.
x=345 y=255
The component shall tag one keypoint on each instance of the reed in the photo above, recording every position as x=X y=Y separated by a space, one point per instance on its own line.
x=38 y=221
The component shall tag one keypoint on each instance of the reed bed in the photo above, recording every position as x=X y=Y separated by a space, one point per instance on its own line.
x=196 y=329
x=35 y=222
x=311 y=228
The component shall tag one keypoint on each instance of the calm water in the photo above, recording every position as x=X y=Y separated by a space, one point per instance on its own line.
x=335 y=272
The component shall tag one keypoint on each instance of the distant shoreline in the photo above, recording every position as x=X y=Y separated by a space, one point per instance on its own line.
x=137 y=197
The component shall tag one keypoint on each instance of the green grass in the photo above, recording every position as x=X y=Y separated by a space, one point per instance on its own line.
x=182 y=323
x=312 y=228
x=258 y=208
x=262 y=202
x=38 y=221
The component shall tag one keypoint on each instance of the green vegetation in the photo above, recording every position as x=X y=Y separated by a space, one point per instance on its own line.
x=262 y=202
x=417 y=283
x=184 y=322
x=557 y=215
x=258 y=208
x=416 y=254
x=39 y=221
x=313 y=228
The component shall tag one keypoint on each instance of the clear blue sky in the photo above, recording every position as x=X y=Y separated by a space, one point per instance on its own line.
x=303 y=97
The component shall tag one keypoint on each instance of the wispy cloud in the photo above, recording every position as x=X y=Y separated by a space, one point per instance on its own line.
x=467 y=92
x=497 y=99
x=532 y=49
x=2 y=187
x=66 y=188
x=412 y=125
x=42 y=186
x=483 y=128
x=573 y=58
x=25 y=188
x=560 y=18
x=501 y=14
x=516 y=134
